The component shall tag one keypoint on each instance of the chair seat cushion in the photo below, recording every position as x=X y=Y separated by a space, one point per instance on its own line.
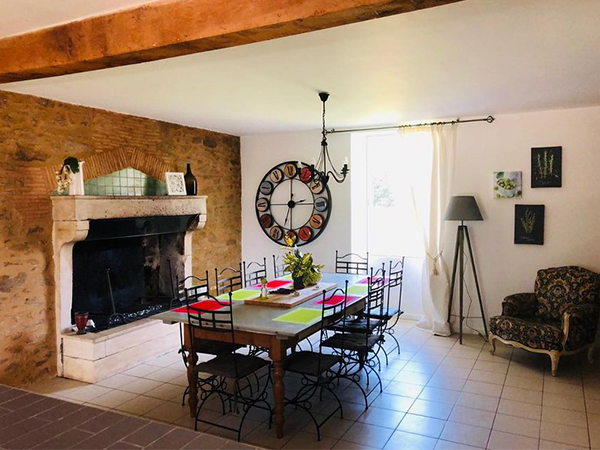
x=214 y=347
x=532 y=332
x=307 y=363
x=225 y=365
x=358 y=325
x=387 y=315
x=353 y=341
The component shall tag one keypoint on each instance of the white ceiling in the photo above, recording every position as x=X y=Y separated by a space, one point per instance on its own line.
x=21 y=16
x=475 y=57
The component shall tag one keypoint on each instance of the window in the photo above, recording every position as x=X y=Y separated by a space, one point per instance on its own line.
x=389 y=170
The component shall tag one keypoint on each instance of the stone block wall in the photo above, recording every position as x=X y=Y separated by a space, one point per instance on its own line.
x=36 y=134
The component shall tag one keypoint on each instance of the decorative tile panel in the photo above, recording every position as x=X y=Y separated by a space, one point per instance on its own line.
x=128 y=182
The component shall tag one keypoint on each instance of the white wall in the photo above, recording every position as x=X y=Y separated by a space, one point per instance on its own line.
x=572 y=225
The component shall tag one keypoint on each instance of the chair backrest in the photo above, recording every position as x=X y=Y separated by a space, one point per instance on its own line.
x=395 y=277
x=254 y=271
x=557 y=288
x=352 y=263
x=196 y=287
x=228 y=280
x=278 y=266
x=208 y=318
x=332 y=313
x=376 y=296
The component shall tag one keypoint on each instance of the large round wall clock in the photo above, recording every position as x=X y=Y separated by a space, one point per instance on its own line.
x=289 y=202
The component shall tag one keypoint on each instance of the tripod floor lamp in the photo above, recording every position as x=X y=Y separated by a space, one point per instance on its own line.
x=463 y=208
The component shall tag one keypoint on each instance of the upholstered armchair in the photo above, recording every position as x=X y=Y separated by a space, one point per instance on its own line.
x=559 y=318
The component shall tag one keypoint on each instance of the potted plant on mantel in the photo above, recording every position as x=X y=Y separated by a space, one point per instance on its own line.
x=301 y=266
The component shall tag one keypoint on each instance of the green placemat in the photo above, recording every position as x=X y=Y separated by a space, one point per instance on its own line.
x=358 y=289
x=302 y=316
x=285 y=277
x=241 y=295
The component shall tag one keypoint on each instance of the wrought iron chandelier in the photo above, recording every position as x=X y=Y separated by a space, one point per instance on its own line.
x=323 y=169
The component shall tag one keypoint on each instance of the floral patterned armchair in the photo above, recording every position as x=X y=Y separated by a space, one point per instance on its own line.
x=559 y=318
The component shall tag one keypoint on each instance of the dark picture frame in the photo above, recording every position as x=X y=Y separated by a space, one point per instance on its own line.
x=529 y=224
x=546 y=167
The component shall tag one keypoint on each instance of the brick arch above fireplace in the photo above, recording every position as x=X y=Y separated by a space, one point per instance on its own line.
x=106 y=163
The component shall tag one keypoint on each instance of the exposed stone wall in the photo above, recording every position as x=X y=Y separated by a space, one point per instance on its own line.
x=35 y=136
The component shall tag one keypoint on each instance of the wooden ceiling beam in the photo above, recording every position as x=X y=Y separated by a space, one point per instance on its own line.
x=171 y=28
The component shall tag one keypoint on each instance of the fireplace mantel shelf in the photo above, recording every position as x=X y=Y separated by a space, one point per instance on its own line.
x=87 y=207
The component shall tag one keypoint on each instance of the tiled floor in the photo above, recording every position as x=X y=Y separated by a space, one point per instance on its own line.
x=437 y=395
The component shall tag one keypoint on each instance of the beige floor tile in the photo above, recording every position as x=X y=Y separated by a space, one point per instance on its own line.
x=593 y=421
x=464 y=352
x=346 y=445
x=393 y=402
x=425 y=426
x=465 y=434
x=564 y=434
x=181 y=380
x=371 y=435
x=170 y=392
x=503 y=441
x=420 y=379
x=443 y=382
x=549 y=445
x=435 y=350
x=333 y=428
x=168 y=412
x=593 y=406
x=478 y=387
x=427 y=358
x=163 y=361
x=304 y=441
x=563 y=389
x=112 y=399
x=478 y=401
x=525 y=371
x=594 y=438
x=472 y=416
x=456 y=372
x=517 y=425
x=591 y=392
x=381 y=417
x=55 y=386
x=404 y=389
x=409 y=441
x=440 y=395
x=533 y=384
x=522 y=395
x=520 y=409
x=140 y=386
x=116 y=381
x=564 y=401
x=139 y=405
x=564 y=416
x=447 y=445
x=420 y=367
x=165 y=375
x=428 y=408
x=465 y=363
x=487 y=377
x=141 y=371
x=491 y=367
x=84 y=393
x=442 y=341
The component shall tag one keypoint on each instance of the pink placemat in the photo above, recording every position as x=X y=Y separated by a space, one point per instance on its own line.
x=337 y=299
x=208 y=305
x=274 y=284
x=375 y=279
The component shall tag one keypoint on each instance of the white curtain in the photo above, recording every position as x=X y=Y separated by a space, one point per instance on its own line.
x=430 y=208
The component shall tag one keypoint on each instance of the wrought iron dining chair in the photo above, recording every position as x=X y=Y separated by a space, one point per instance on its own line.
x=228 y=280
x=254 y=271
x=278 y=266
x=188 y=295
x=214 y=376
x=319 y=370
x=391 y=313
x=352 y=263
x=359 y=347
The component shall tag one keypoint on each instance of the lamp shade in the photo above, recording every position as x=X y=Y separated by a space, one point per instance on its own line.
x=463 y=207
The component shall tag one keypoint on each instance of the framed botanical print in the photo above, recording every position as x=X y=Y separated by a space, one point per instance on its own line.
x=529 y=224
x=546 y=167
x=175 y=183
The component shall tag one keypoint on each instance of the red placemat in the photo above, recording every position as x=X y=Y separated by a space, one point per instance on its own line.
x=274 y=284
x=337 y=299
x=209 y=305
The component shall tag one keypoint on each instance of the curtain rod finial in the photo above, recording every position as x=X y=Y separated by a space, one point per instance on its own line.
x=490 y=119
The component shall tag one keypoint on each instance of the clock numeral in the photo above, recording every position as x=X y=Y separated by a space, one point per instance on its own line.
x=316 y=221
x=321 y=204
x=266 y=220
x=305 y=175
x=291 y=234
x=276 y=233
x=266 y=188
x=316 y=187
x=305 y=233
x=276 y=176
x=290 y=170
x=262 y=204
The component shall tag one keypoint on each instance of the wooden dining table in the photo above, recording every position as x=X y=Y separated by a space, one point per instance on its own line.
x=255 y=325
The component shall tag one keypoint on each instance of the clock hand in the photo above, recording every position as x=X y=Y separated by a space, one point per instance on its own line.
x=300 y=201
x=286 y=217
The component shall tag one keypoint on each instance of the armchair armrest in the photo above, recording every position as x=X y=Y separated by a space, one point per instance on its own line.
x=579 y=325
x=519 y=305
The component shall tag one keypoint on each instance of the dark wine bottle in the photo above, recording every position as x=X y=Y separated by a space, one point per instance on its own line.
x=191 y=184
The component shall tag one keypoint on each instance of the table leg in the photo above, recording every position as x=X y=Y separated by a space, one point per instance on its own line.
x=277 y=355
x=192 y=379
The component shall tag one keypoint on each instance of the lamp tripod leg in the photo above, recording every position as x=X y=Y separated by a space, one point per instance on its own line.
x=476 y=282
x=453 y=282
x=461 y=278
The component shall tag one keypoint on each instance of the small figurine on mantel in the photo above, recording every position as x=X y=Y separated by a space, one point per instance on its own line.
x=69 y=178
x=264 y=292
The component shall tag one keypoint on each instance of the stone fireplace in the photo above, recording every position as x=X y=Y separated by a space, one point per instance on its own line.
x=118 y=258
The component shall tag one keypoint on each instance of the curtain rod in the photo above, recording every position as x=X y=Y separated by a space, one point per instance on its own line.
x=488 y=119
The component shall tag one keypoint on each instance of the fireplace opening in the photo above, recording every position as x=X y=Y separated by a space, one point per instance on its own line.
x=127 y=269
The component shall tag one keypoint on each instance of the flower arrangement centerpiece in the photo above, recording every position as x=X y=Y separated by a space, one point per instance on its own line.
x=64 y=175
x=301 y=266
